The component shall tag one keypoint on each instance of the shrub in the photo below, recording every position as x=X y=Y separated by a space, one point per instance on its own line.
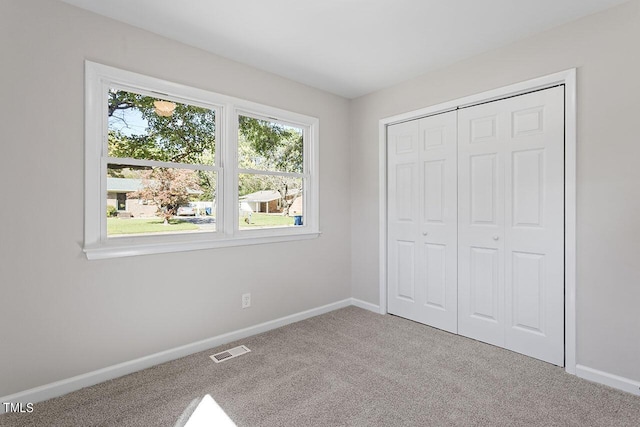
x=111 y=211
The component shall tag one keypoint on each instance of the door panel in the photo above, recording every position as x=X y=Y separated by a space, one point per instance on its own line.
x=406 y=270
x=436 y=275
x=528 y=291
x=403 y=187
x=528 y=187
x=434 y=191
x=511 y=219
x=483 y=296
x=483 y=182
x=484 y=284
x=482 y=129
x=481 y=224
x=439 y=220
x=423 y=216
x=405 y=192
x=534 y=222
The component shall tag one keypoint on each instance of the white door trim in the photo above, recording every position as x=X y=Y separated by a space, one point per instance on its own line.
x=568 y=79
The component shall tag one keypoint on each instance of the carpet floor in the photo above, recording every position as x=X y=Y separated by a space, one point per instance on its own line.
x=349 y=367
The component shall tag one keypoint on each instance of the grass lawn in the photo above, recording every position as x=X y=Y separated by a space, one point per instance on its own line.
x=266 y=220
x=147 y=225
x=116 y=226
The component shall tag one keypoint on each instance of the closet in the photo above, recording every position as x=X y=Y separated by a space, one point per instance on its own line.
x=475 y=229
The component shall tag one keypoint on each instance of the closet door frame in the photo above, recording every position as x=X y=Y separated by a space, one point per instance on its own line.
x=566 y=78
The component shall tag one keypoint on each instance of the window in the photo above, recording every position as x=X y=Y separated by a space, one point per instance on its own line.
x=122 y=201
x=270 y=172
x=163 y=153
x=174 y=168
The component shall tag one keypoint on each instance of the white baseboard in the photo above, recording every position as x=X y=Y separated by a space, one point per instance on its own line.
x=366 y=305
x=59 y=388
x=611 y=380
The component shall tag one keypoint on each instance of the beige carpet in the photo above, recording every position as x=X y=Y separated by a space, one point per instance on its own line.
x=349 y=367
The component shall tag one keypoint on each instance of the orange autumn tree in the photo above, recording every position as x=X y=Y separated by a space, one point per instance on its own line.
x=168 y=189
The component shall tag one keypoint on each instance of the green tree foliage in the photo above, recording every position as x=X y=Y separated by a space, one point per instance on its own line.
x=133 y=146
x=187 y=136
x=274 y=146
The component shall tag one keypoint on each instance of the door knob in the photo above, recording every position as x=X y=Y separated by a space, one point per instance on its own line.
x=496 y=237
x=424 y=233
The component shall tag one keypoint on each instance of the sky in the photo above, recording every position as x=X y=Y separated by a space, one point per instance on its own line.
x=129 y=122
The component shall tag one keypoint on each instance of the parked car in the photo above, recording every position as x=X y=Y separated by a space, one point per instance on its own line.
x=186 y=211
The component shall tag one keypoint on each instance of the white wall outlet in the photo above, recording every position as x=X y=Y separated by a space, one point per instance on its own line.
x=246 y=300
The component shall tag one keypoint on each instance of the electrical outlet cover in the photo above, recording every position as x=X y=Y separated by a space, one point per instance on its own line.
x=246 y=300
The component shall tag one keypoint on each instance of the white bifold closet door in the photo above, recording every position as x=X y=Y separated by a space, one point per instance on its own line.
x=511 y=223
x=422 y=220
x=476 y=222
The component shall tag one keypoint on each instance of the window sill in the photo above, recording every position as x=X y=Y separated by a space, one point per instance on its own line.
x=118 y=249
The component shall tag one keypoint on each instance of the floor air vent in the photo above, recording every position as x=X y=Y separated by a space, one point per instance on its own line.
x=229 y=354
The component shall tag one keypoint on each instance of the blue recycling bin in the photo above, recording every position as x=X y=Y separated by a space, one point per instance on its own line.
x=297 y=220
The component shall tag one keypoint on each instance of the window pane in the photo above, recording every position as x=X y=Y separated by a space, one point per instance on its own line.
x=144 y=127
x=159 y=200
x=268 y=201
x=267 y=145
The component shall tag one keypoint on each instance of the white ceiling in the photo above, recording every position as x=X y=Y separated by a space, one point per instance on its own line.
x=347 y=47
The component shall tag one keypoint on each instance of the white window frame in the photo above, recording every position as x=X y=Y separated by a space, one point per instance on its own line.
x=98 y=79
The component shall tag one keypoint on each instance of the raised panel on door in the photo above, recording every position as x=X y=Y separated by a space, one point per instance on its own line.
x=534 y=198
x=434 y=191
x=527 y=284
x=484 y=281
x=527 y=187
x=483 y=182
x=405 y=270
x=422 y=215
x=405 y=194
x=436 y=275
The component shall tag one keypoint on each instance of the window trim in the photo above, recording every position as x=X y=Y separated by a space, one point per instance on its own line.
x=98 y=79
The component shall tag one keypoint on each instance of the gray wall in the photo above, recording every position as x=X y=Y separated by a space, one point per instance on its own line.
x=604 y=48
x=62 y=315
